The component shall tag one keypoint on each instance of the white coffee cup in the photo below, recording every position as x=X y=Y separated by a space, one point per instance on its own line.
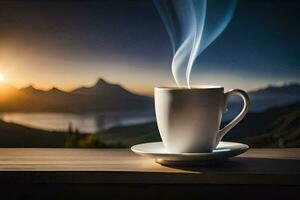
x=189 y=119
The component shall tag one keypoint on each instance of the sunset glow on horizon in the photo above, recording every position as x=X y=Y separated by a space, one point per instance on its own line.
x=89 y=41
x=2 y=78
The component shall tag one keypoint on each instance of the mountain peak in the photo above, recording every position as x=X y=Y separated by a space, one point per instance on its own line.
x=103 y=88
x=29 y=88
x=55 y=89
x=101 y=82
x=292 y=87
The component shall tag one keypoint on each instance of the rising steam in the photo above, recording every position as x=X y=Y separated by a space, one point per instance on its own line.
x=192 y=25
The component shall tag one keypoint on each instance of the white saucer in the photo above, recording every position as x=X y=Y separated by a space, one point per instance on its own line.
x=157 y=151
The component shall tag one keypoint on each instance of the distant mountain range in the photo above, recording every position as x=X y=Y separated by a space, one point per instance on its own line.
x=108 y=97
x=271 y=96
x=265 y=98
x=103 y=96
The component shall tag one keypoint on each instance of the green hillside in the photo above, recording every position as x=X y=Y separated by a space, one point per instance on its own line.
x=284 y=131
x=13 y=135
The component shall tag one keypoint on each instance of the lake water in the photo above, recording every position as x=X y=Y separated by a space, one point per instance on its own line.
x=85 y=123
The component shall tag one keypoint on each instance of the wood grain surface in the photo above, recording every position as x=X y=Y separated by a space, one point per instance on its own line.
x=117 y=166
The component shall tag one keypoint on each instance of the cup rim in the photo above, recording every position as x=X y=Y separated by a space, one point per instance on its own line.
x=196 y=87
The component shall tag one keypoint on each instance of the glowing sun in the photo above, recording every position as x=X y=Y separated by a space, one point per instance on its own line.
x=2 y=78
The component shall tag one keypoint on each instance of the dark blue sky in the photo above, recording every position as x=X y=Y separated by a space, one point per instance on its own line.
x=71 y=43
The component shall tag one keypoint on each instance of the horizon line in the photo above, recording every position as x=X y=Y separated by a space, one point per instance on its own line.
x=280 y=84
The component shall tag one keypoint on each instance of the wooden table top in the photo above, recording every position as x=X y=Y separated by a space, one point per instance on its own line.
x=37 y=165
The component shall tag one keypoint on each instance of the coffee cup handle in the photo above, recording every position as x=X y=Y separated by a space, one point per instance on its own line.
x=239 y=117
